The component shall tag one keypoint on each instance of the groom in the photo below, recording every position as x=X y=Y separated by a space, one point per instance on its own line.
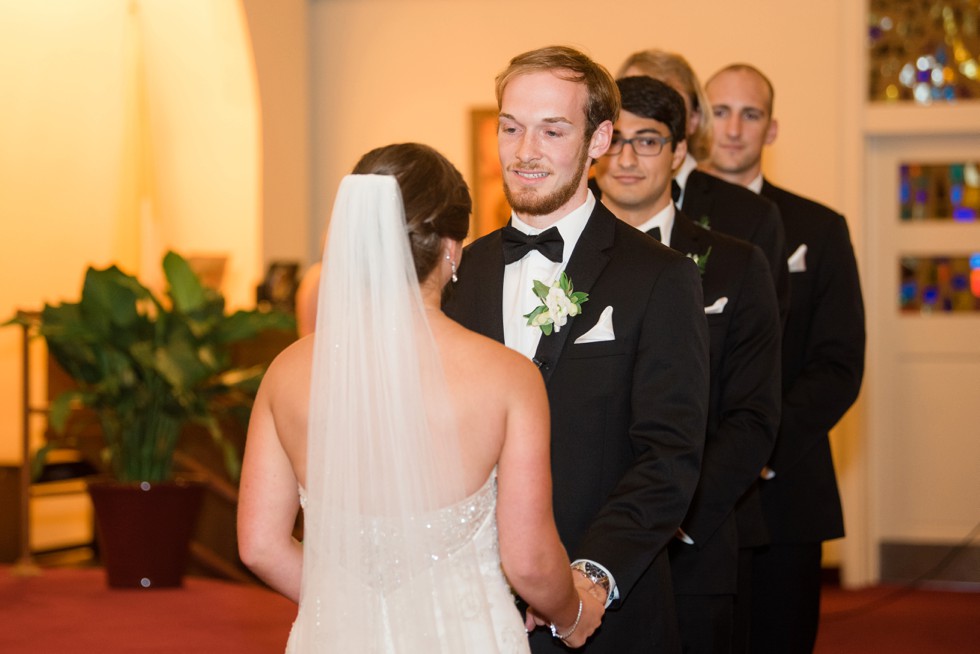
x=627 y=377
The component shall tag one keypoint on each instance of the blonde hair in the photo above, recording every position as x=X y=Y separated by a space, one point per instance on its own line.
x=669 y=66
x=569 y=64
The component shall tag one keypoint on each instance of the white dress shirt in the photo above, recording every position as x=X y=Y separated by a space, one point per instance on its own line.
x=690 y=163
x=519 y=277
x=664 y=219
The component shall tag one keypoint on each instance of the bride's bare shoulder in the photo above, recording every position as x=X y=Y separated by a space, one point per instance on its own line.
x=291 y=367
x=476 y=353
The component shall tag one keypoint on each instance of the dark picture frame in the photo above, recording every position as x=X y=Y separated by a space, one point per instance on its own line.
x=490 y=208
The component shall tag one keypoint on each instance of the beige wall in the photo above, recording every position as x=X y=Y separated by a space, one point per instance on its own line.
x=280 y=43
x=389 y=70
x=70 y=163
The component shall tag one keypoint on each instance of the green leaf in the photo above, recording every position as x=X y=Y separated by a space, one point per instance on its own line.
x=40 y=458
x=185 y=288
x=61 y=408
x=534 y=314
x=703 y=261
x=541 y=289
x=246 y=324
x=564 y=283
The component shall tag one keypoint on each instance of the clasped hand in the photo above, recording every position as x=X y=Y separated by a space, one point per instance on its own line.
x=593 y=608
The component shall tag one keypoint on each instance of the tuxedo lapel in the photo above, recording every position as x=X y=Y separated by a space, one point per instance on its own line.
x=697 y=196
x=686 y=237
x=494 y=286
x=478 y=300
x=588 y=260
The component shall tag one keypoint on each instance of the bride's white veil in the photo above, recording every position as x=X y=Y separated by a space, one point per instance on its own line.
x=382 y=570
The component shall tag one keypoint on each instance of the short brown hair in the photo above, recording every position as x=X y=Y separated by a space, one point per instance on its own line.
x=569 y=64
x=668 y=65
x=437 y=201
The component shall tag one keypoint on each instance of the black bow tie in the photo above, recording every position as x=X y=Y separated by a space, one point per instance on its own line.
x=517 y=244
x=655 y=233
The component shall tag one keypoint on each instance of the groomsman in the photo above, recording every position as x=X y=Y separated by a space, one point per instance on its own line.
x=648 y=143
x=731 y=209
x=706 y=199
x=627 y=377
x=823 y=363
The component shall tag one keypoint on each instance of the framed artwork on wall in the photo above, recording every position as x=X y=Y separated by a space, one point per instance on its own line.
x=490 y=208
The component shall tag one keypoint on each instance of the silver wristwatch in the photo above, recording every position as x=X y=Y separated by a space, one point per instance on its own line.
x=595 y=574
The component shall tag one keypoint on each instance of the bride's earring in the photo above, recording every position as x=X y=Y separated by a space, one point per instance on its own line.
x=452 y=266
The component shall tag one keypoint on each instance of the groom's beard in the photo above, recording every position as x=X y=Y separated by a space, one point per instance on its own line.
x=530 y=204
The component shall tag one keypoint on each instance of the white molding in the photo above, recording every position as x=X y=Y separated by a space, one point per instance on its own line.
x=882 y=119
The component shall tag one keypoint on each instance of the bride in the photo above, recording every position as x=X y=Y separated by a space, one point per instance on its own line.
x=418 y=450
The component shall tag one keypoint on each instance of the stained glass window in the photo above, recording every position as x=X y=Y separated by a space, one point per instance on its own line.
x=923 y=51
x=942 y=284
x=940 y=191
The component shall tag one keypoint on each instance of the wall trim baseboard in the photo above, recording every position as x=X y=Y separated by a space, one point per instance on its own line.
x=931 y=563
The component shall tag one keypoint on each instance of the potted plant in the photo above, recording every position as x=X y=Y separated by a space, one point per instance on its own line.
x=147 y=368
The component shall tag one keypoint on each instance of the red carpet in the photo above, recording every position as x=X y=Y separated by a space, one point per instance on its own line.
x=881 y=620
x=71 y=611
x=68 y=611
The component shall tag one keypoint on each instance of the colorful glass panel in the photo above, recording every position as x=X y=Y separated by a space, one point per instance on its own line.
x=943 y=284
x=923 y=51
x=939 y=191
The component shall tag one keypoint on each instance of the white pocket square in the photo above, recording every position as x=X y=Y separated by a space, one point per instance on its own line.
x=601 y=331
x=717 y=306
x=797 y=260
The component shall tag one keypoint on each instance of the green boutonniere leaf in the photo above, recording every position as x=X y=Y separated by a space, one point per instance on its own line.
x=700 y=259
x=559 y=301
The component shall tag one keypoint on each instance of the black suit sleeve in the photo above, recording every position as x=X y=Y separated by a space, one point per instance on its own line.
x=747 y=406
x=669 y=400
x=832 y=367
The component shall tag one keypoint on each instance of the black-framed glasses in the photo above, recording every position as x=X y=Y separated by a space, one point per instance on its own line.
x=645 y=145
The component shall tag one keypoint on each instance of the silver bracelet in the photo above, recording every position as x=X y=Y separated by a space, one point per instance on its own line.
x=554 y=629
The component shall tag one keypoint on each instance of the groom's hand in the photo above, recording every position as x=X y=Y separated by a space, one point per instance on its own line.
x=586 y=585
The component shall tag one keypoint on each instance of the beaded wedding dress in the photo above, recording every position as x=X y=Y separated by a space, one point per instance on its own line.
x=469 y=524
x=398 y=555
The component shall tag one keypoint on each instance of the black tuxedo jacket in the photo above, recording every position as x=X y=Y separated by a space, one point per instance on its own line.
x=823 y=363
x=743 y=413
x=627 y=415
x=734 y=210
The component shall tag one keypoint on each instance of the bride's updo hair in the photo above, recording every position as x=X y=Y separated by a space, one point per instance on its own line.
x=437 y=202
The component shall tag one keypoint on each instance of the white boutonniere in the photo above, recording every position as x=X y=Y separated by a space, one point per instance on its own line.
x=701 y=260
x=558 y=301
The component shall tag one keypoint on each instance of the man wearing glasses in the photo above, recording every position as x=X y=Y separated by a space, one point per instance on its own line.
x=634 y=175
x=709 y=200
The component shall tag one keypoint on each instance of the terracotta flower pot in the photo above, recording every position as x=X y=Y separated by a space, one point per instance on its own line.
x=144 y=530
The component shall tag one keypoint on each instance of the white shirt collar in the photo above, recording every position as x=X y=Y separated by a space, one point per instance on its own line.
x=690 y=163
x=664 y=219
x=756 y=184
x=570 y=227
